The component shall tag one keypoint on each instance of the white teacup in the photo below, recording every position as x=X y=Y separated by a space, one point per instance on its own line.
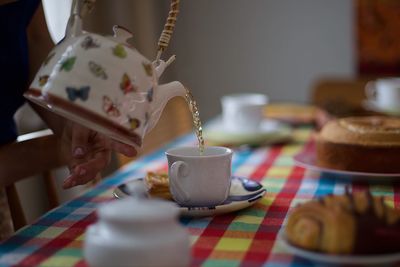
x=384 y=92
x=243 y=112
x=199 y=179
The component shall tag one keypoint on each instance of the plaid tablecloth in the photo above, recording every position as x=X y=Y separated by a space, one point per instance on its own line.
x=245 y=238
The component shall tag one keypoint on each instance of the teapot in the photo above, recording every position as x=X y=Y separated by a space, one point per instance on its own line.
x=103 y=83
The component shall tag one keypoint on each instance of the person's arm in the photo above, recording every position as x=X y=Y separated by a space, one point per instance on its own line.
x=89 y=151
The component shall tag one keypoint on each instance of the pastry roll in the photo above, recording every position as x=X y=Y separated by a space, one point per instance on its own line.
x=356 y=223
x=158 y=185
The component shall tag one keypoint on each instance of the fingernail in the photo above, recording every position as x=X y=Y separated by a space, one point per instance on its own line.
x=79 y=152
x=82 y=172
x=67 y=183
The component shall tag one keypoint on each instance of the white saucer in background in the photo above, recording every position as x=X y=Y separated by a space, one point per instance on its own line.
x=374 y=106
x=269 y=132
x=243 y=193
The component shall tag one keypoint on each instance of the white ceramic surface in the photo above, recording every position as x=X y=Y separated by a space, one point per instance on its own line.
x=373 y=105
x=132 y=232
x=243 y=193
x=199 y=179
x=340 y=260
x=384 y=92
x=103 y=83
x=308 y=161
x=243 y=112
x=268 y=132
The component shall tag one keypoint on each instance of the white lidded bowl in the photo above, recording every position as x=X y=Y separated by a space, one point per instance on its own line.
x=133 y=232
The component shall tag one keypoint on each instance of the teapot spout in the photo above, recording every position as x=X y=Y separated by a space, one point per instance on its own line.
x=162 y=95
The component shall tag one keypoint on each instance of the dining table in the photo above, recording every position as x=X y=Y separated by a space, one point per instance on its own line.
x=247 y=237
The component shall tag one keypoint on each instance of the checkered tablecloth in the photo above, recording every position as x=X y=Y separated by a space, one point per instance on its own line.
x=245 y=238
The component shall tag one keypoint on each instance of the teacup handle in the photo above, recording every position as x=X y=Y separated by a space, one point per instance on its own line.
x=178 y=171
x=370 y=90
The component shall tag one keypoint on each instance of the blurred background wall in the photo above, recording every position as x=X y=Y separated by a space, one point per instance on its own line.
x=274 y=47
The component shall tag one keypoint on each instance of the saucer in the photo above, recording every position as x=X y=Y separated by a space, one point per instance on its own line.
x=374 y=106
x=340 y=260
x=308 y=160
x=243 y=193
x=291 y=113
x=269 y=132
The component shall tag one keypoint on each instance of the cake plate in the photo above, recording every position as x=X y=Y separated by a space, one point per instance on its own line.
x=308 y=161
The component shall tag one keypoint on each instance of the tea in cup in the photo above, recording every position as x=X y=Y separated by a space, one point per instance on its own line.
x=199 y=179
x=243 y=112
x=384 y=92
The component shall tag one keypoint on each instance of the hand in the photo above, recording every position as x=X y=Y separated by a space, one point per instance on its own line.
x=91 y=153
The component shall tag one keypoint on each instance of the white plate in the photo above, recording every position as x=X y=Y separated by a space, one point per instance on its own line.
x=269 y=132
x=374 y=106
x=308 y=160
x=243 y=193
x=341 y=260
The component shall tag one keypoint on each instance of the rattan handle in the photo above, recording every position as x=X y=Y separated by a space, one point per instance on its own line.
x=168 y=28
x=82 y=7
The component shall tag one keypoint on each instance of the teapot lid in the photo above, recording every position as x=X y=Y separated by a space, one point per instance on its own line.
x=131 y=210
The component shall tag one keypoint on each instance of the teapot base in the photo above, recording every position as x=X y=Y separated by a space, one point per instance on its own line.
x=84 y=117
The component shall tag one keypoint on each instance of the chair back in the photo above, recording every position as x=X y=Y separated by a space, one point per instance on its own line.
x=340 y=96
x=31 y=154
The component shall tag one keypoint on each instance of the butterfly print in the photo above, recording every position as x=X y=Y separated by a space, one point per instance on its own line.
x=134 y=123
x=68 y=64
x=148 y=68
x=75 y=93
x=43 y=80
x=149 y=95
x=88 y=43
x=97 y=70
x=48 y=58
x=126 y=84
x=119 y=51
x=110 y=108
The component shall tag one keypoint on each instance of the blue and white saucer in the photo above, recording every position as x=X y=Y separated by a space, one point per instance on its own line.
x=243 y=193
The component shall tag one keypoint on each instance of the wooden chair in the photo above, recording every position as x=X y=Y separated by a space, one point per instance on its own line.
x=32 y=154
x=340 y=96
x=175 y=120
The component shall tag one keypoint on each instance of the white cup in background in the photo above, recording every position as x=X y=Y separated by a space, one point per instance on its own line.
x=199 y=180
x=384 y=92
x=243 y=112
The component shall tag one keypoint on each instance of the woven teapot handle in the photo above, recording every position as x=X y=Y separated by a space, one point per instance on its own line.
x=168 y=28
x=82 y=7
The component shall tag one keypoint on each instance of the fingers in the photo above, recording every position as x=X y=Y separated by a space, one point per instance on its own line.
x=125 y=149
x=102 y=142
x=91 y=153
x=84 y=172
x=79 y=143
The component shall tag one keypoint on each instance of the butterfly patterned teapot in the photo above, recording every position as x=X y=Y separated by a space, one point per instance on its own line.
x=103 y=83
